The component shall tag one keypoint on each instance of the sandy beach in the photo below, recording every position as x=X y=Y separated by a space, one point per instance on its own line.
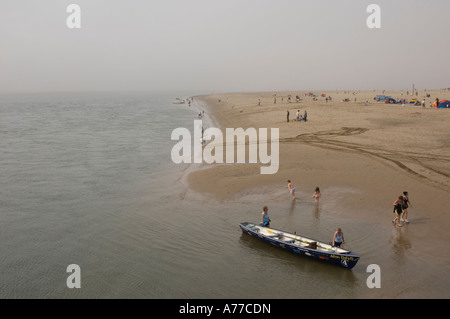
x=370 y=151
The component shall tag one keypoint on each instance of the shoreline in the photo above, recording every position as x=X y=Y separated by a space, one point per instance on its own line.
x=378 y=150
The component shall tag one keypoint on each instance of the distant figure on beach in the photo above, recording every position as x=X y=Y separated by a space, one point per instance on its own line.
x=338 y=238
x=406 y=204
x=298 y=115
x=291 y=189
x=436 y=102
x=259 y=102
x=398 y=209
x=287 y=115
x=304 y=117
x=316 y=195
x=265 y=220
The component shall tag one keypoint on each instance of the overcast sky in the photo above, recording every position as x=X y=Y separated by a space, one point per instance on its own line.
x=223 y=45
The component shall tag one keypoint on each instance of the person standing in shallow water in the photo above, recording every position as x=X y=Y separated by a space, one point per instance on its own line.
x=406 y=205
x=338 y=238
x=398 y=209
x=291 y=189
x=316 y=195
x=265 y=220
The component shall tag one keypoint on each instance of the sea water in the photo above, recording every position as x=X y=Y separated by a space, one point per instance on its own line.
x=78 y=173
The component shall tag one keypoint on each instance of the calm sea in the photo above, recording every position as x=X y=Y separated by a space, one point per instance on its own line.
x=87 y=179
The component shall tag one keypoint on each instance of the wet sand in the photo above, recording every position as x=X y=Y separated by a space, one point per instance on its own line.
x=374 y=151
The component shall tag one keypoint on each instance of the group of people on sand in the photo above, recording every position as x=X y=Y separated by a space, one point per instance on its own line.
x=338 y=238
x=401 y=206
x=298 y=117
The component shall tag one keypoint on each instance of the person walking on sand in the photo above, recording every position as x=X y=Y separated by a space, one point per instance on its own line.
x=338 y=238
x=398 y=209
x=316 y=195
x=265 y=220
x=287 y=115
x=406 y=204
x=291 y=189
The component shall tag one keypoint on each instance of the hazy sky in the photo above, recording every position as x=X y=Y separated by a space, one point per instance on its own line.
x=223 y=45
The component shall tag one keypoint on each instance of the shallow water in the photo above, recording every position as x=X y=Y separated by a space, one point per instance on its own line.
x=88 y=180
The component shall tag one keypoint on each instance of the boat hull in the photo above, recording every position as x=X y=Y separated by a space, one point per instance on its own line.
x=325 y=252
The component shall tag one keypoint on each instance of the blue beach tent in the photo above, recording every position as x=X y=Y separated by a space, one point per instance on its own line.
x=381 y=98
x=444 y=105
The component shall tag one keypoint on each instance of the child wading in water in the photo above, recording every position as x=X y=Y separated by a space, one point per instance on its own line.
x=316 y=195
x=291 y=189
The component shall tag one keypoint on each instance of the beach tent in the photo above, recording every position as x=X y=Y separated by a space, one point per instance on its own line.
x=390 y=101
x=444 y=105
x=414 y=102
x=381 y=98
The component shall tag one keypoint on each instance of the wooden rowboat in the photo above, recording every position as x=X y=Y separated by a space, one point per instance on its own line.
x=302 y=245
